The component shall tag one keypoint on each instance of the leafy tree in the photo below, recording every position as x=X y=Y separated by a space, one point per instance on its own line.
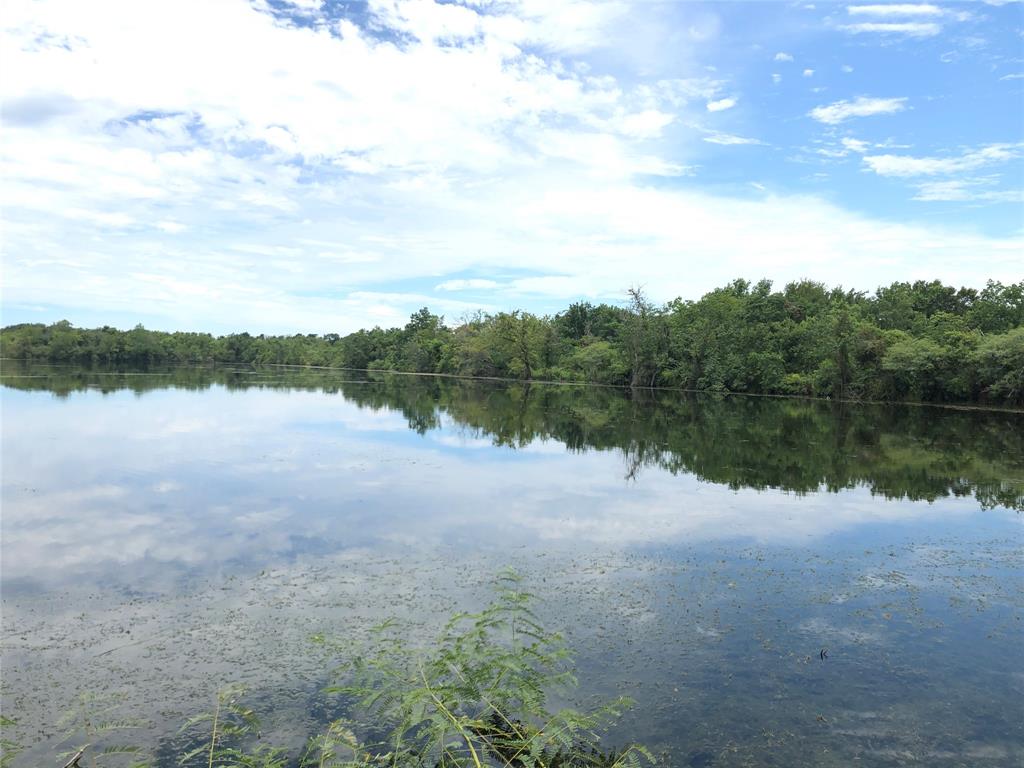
x=998 y=308
x=645 y=339
x=1000 y=361
x=913 y=363
x=520 y=336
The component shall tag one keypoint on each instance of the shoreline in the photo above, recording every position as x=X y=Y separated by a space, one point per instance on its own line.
x=547 y=382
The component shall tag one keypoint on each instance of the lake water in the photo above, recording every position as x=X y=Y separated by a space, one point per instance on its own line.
x=169 y=532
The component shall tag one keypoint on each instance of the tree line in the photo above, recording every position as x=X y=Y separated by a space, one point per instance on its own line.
x=922 y=341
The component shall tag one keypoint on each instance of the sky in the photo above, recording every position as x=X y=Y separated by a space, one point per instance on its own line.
x=283 y=166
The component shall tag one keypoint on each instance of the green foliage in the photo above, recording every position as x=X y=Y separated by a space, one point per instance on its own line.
x=914 y=363
x=478 y=696
x=8 y=749
x=595 y=361
x=221 y=732
x=916 y=341
x=98 y=724
x=336 y=747
x=1000 y=361
x=517 y=339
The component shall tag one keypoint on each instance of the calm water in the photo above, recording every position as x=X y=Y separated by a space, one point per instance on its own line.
x=170 y=532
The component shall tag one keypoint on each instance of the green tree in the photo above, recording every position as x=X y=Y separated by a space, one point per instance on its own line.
x=520 y=337
x=1000 y=360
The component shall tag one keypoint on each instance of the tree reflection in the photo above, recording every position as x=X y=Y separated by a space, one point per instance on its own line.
x=800 y=446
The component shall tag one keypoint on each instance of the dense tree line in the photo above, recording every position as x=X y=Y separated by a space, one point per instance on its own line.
x=908 y=341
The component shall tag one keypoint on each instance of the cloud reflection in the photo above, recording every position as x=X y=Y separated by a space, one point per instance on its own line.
x=215 y=477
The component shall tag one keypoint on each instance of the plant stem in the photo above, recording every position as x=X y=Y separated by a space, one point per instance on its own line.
x=213 y=735
x=440 y=705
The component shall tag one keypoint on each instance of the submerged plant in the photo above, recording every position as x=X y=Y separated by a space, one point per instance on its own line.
x=479 y=697
x=95 y=730
x=337 y=747
x=8 y=748
x=221 y=734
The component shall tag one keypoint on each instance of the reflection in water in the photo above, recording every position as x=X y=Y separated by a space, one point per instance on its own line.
x=197 y=525
x=911 y=452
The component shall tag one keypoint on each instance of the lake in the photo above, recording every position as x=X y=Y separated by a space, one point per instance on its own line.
x=168 y=532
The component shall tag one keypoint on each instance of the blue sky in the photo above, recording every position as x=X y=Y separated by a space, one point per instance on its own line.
x=281 y=166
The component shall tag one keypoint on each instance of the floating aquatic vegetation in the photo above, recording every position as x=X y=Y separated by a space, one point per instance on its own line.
x=479 y=697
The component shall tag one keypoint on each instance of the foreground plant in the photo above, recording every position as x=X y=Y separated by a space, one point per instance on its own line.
x=97 y=732
x=8 y=748
x=479 y=697
x=337 y=747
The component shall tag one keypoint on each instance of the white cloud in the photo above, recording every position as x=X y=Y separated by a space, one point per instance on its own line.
x=967 y=190
x=907 y=19
x=171 y=227
x=782 y=56
x=1014 y=76
x=910 y=28
x=895 y=9
x=298 y=96
x=306 y=5
x=863 y=106
x=856 y=145
x=647 y=124
x=720 y=105
x=847 y=68
x=471 y=284
x=906 y=165
x=982 y=189
x=776 y=78
x=272 y=189
x=727 y=139
x=808 y=72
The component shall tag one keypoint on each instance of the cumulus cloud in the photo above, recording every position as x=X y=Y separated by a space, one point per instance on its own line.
x=863 y=106
x=783 y=56
x=834 y=153
x=963 y=186
x=911 y=28
x=282 y=184
x=907 y=165
x=721 y=105
x=727 y=139
x=470 y=284
x=967 y=190
x=906 y=19
x=290 y=89
x=895 y=9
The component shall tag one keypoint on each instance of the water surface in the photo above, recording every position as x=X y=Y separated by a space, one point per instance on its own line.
x=176 y=530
